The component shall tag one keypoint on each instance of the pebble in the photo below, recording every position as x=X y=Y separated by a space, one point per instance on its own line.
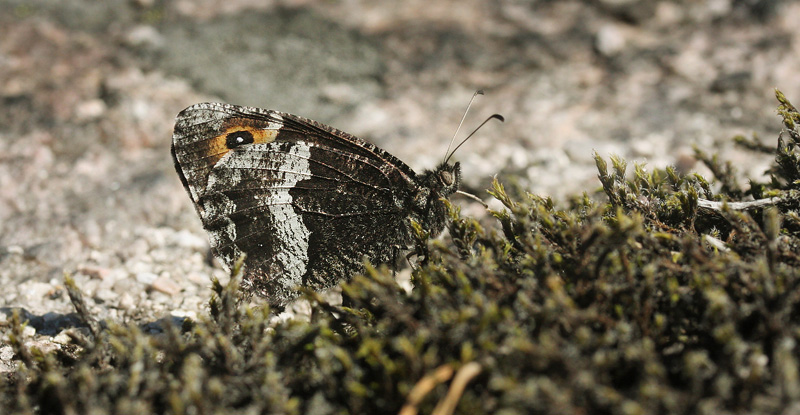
x=190 y=314
x=35 y=290
x=106 y=295
x=90 y=110
x=166 y=285
x=146 y=278
x=610 y=40
x=6 y=352
x=28 y=331
x=125 y=301
x=198 y=278
x=43 y=344
x=62 y=338
x=186 y=239
x=7 y=365
x=144 y=36
x=95 y=272
x=15 y=250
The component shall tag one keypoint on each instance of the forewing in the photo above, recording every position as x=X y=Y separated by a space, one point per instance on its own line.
x=305 y=202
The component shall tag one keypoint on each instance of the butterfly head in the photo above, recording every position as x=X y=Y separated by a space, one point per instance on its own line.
x=448 y=179
x=440 y=182
x=434 y=186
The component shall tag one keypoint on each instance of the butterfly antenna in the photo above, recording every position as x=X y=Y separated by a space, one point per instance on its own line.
x=478 y=92
x=492 y=117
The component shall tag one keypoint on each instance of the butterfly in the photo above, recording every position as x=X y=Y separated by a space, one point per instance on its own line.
x=306 y=203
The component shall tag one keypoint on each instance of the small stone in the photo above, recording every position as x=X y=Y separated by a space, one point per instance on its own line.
x=341 y=93
x=6 y=352
x=137 y=248
x=105 y=295
x=144 y=36
x=610 y=40
x=404 y=280
x=44 y=345
x=95 y=272
x=198 y=278
x=156 y=237
x=28 y=331
x=191 y=315
x=146 y=277
x=90 y=110
x=186 y=239
x=62 y=338
x=35 y=290
x=166 y=285
x=124 y=285
x=125 y=301
x=15 y=250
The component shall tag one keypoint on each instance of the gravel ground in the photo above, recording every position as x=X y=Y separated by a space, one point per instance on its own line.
x=89 y=92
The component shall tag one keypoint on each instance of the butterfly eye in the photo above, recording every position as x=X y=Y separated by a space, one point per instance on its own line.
x=238 y=138
x=446 y=177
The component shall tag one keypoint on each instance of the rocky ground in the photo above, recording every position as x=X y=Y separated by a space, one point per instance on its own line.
x=89 y=92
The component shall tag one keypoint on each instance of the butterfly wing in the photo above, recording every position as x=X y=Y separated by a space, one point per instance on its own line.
x=302 y=200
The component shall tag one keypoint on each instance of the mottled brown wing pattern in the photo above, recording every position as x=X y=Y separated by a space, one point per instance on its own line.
x=306 y=203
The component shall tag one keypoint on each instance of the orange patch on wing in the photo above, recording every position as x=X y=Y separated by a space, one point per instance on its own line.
x=217 y=147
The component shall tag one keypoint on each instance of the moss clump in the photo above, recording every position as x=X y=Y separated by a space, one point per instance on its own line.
x=670 y=297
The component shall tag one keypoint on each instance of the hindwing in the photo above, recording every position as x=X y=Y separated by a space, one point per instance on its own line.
x=305 y=202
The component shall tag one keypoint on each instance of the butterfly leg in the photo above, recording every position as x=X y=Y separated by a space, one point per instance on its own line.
x=411 y=263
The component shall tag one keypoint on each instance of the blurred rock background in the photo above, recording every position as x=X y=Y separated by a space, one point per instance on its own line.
x=89 y=91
